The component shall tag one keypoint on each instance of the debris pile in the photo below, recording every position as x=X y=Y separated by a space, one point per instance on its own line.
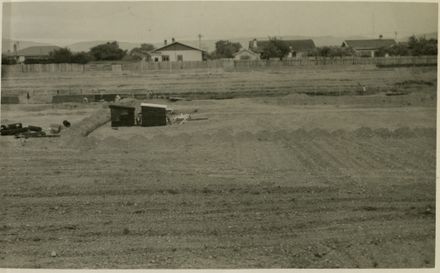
x=20 y=131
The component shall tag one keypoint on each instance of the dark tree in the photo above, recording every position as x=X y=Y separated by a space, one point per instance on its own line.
x=8 y=60
x=82 y=58
x=422 y=46
x=138 y=53
x=275 y=49
x=225 y=49
x=108 y=51
x=62 y=55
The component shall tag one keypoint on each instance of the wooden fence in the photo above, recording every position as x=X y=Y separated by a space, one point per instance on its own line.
x=228 y=65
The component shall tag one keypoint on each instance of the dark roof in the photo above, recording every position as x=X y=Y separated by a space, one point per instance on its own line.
x=369 y=44
x=36 y=51
x=295 y=45
x=176 y=46
x=121 y=107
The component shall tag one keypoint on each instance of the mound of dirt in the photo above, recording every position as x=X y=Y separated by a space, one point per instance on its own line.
x=299 y=134
x=339 y=133
x=364 y=132
x=403 y=132
x=318 y=132
x=383 y=132
x=94 y=121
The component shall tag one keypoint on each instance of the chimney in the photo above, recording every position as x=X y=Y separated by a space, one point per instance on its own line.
x=255 y=43
x=172 y=40
x=165 y=42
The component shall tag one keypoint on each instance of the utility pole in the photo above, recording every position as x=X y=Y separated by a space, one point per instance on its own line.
x=200 y=41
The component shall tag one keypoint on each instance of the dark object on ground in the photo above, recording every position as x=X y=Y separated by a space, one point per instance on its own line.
x=11 y=132
x=66 y=123
x=35 y=128
x=14 y=126
x=29 y=134
x=153 y=114
x=121 y=115
x=174 y=99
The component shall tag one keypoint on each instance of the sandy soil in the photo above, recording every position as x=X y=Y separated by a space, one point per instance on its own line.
x=267 y=182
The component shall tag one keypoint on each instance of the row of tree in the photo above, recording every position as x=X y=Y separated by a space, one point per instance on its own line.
x=104 y=52
x=276 y=48
x=414 y=47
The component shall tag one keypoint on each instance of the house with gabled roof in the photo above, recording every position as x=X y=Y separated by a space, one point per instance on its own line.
x=176 y=52
x=298 y=48
x=368 y=47
x=246 y=54
x=34 y=52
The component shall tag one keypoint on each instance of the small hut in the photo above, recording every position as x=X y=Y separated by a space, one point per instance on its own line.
x=121 y=115
x=153 y=114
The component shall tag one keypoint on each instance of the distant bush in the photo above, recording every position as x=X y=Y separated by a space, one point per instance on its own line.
x=331 y=51
x=81 y=58
x=8 y=60
x=37 y=61
x=108 y=52
x=224 y=49
x=275 y=48
x=62 y=55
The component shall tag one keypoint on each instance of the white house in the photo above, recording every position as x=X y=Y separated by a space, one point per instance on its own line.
x=176 y=52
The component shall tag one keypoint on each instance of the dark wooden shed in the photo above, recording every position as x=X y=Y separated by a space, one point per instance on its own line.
x=122 y=115
x=153 y=114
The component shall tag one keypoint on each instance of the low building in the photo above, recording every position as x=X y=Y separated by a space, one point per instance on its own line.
x=297 y=48
x=176 y=52
x=246 y=54
x=34 y=53
x=122 y=115
x=368 y=47
x=153 y=114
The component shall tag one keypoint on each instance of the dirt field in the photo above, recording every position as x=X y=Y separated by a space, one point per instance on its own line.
x=286 y=182
x=325 y=79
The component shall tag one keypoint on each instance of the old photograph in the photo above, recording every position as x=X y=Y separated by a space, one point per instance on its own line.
x=218 y=135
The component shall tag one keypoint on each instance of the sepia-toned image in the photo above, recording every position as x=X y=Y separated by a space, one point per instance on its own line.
x=218 y=135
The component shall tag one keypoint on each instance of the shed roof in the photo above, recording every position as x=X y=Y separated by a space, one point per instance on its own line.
x=176 y=46
x=143 y=104
x=37 y=51
x=369 y=44
x=121 y=106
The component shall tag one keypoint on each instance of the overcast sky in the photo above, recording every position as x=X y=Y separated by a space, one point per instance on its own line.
x=63 y=23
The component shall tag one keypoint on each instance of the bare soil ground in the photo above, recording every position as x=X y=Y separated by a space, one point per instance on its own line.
x=42 y=86
x=287 y=182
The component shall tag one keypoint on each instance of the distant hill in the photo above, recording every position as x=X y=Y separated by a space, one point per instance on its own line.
x=207 y=45
x=8 y=45
x=431 y=35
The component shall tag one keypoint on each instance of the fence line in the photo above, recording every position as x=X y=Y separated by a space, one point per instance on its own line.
x=216 y=64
